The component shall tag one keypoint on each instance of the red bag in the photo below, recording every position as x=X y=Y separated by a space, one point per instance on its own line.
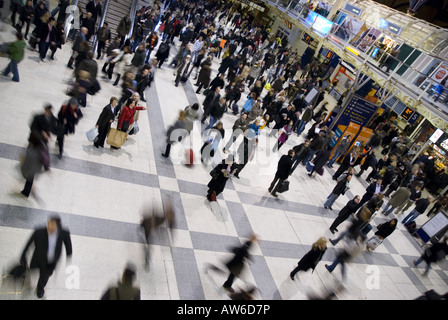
x=189 y=157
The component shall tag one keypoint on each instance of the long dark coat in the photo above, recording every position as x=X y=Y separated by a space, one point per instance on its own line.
x=284 y=167
x=311 y=259
x=236 y=264
x=321 y=159
x=219 y=183
x=204 y=75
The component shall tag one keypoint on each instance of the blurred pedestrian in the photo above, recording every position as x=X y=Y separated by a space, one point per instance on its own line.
x=36 y=158
x=175 y=133
x=436 y=252
x=68 y=117
x=311 y=258
x=48 y=243
x=237 y=263
x=352 y=249
x=125 y=289
x=152 y=221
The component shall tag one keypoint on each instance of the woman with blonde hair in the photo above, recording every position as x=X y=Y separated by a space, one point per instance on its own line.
x=312 y=258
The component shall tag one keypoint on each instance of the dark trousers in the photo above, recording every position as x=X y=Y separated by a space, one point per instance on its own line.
x=45 y=274
x=102 y=135
x=43 y=49
x=229 y=281
x=27 y=188
x=337 y=222
x=199 y=88
x=274 y=185
x=296 y=269
x=27 y=29
x=167 y=150
x=101 y=45
x=436 y=208
x=340 y=171
x=60 y=139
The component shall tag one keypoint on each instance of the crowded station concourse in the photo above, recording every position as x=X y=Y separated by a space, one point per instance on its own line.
x=135 y=173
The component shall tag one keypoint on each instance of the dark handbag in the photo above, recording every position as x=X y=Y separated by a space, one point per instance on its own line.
x=283 y=187
x=18 y=271
x=184 y=78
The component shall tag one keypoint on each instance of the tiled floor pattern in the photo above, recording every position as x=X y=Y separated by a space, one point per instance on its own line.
x=101 y=195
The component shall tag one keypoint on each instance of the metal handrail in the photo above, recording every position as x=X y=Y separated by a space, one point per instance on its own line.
x=70 y=17
x=132 y=15
x=100 y=25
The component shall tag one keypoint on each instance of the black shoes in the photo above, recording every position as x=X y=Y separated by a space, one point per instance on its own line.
x=40 y=292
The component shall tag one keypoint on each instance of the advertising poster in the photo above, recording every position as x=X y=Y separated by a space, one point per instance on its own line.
x=440 y=73
x=364 y=135
x=349 y=28
x=345 y=79
x=342 y=131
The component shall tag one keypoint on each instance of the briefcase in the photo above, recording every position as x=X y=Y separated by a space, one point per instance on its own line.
x=283 y=187
x=116 y=138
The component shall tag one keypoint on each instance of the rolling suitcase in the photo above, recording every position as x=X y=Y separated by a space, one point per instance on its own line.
x=189 y=157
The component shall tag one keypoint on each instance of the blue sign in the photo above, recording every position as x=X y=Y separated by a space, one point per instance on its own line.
x=358 y=111
x=352 y=9
x=413 y=118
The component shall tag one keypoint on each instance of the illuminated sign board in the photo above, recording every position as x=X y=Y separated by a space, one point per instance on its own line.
x=386 y=25
x=407 y=113
x=307 y=38
x=352 y=9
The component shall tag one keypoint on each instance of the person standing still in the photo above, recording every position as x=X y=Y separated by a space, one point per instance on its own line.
x=104 y=122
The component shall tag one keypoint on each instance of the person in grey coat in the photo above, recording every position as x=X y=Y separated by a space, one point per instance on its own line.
x=340 y=150
x=397 y=199
x=171 y=136
x=192 y=114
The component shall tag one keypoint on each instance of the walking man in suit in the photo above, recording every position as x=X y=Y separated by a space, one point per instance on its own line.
x=105 y=119
x=283 y=170
x=48 y=247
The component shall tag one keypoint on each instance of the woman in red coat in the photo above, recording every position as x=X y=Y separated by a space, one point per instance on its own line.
x=127 y=115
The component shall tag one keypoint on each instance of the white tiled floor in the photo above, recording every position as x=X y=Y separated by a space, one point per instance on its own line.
x=103 y=212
